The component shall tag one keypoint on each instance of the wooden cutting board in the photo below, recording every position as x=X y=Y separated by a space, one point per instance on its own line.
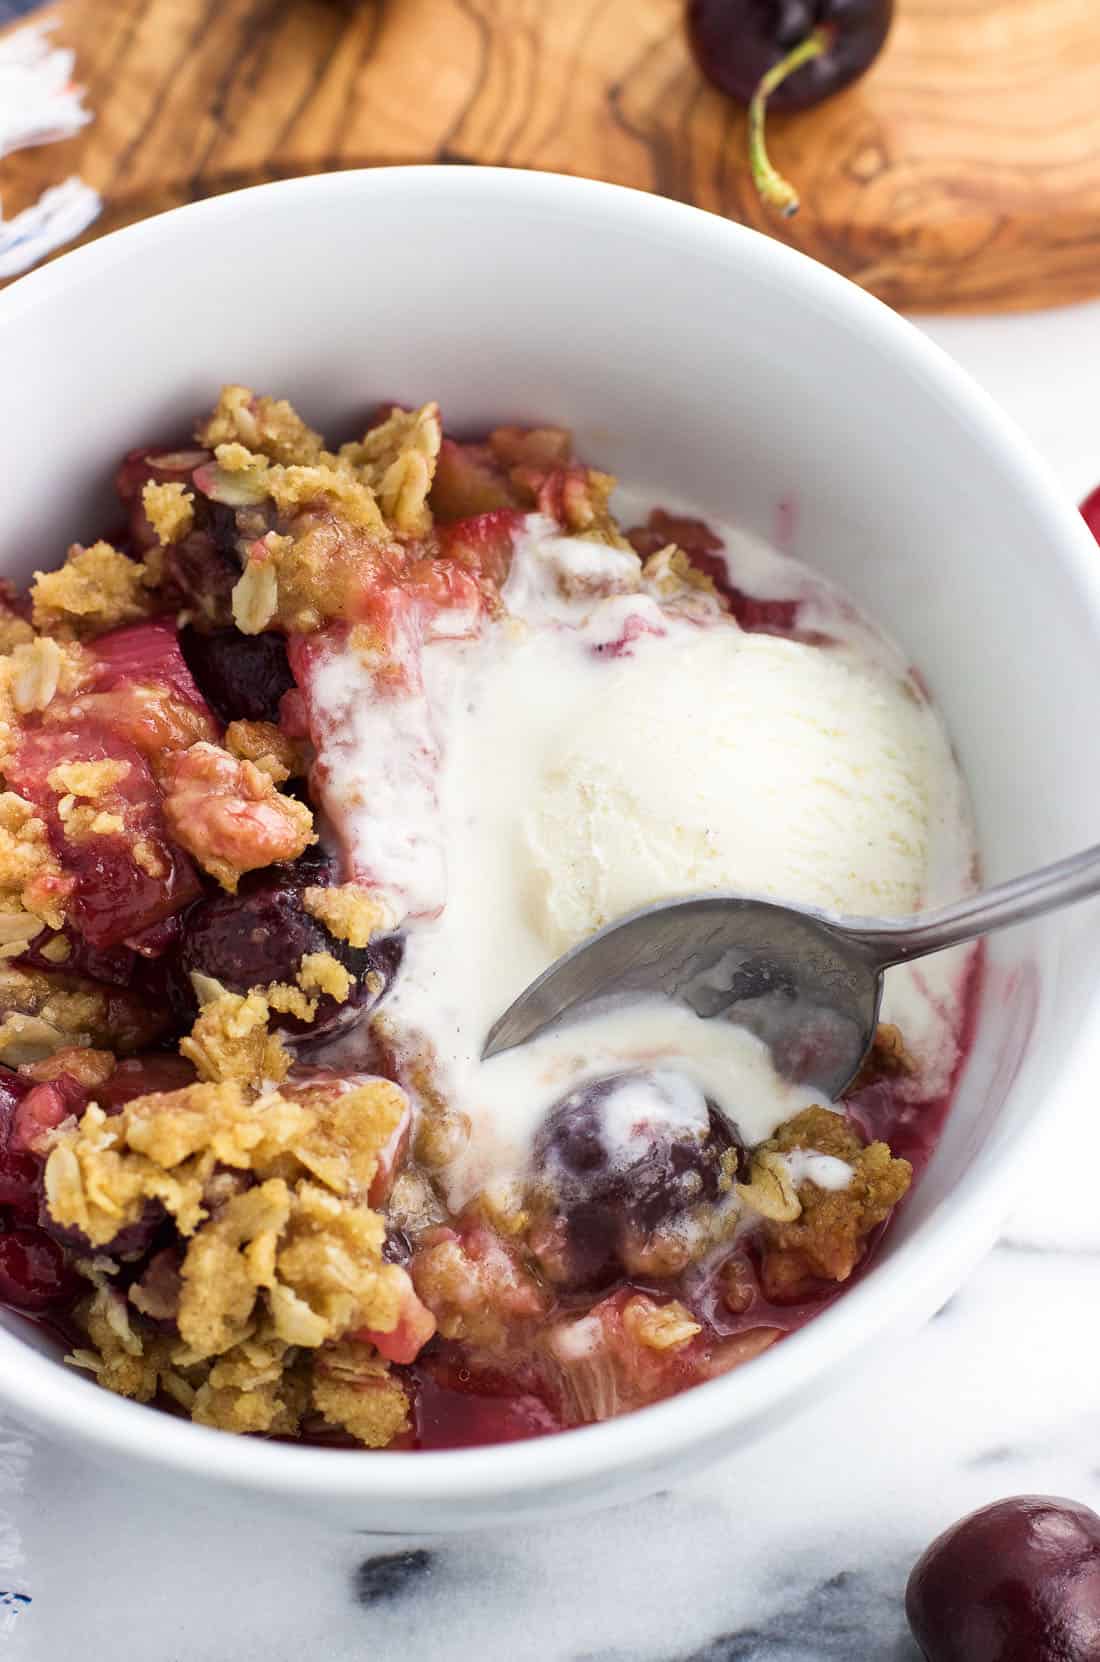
x=963 y=173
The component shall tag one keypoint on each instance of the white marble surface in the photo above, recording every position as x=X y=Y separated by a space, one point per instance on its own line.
x=794 y=1551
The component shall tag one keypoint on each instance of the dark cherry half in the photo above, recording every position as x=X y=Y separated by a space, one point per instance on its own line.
x=242 y=677
x=618 y=1160
x=260 y=935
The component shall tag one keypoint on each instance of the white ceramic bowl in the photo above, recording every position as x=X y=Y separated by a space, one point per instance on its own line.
x=719 y=367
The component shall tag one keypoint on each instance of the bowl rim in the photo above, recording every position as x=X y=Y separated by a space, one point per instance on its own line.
x=919 y=1271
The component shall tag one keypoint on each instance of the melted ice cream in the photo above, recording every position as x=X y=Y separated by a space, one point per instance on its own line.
x=603 y=747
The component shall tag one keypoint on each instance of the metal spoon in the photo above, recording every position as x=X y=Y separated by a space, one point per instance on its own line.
x=807 y=982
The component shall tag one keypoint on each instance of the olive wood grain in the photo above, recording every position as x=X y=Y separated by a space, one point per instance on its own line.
x=962 y=173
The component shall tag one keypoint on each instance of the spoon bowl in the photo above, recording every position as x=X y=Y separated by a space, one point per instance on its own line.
x=806 y=982
x=796 y=978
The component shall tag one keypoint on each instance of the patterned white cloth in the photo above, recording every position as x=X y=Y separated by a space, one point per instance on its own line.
x=39 y=103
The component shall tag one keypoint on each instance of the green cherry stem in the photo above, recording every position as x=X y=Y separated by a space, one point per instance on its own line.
x=776 y=191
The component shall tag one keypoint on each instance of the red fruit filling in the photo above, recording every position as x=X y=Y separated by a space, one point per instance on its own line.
x=706 y=551
x=455 y=1409
x=34 y=1271
x=141 y=1075
x=142 y=690
x=1090 y=511
x=484 y=544
x=126 y=880
x=149 y=654
x=20 y=1171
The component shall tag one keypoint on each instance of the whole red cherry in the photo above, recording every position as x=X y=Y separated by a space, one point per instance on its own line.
x=787 y=55
x=1018 y=1581
x=1090 y=509
x=736 y=42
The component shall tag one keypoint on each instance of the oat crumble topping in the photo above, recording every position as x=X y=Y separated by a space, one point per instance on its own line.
x=95 y=590
x=268 y=425
x=289 y=1264
x=170 y=509
x=230 y=1040
x=350 y=912
x=261 y=742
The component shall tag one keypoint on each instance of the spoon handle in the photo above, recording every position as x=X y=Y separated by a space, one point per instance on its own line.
x=897 y=940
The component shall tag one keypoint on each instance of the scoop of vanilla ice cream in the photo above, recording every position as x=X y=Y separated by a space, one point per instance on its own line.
x=736 y=761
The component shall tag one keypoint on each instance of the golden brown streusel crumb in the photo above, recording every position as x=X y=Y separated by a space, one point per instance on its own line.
x=588 y=512
x=222 y=1123
x=271 y=426
x=659 y=1326
x=256 y=593
x=170 y=1145
x=238 y=458
x=543 y=447
x=348 y=1129
x=96 y=589
x=822 y=1130
x=229 y=815
x=57 y=950
x=353 y=1388
x=770 y=1193
x=170 y=510
x=30 y=676
x=229 y=1261
x=332 y=1277
x=290 y=1001
x=32 y=888
x=230 y=1040
x=350 y=911
x=397 y=460
x=501 y=1204
x=164 y=1147
x=254 y=1387
x=91 y=1068
x=669 y=575
x=266 y=745
x=46 y=1012
x=121 y=1360
x=477 y=1289
x=290 y=1264
x=300 y=487
x=887 y=1056
x=14 y=629
x=320 y=566
x=34 y=673
x=826 y=1242
x=320 y=972
x=86 y=821
x=88 y=779
x=577 y=496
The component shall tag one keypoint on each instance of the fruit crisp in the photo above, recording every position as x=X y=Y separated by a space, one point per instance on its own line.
x=245 y=1173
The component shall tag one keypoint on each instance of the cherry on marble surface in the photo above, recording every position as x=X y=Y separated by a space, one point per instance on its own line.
x=1017 y=1581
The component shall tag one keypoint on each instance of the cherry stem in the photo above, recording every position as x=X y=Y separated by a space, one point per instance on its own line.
x=776 y=191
